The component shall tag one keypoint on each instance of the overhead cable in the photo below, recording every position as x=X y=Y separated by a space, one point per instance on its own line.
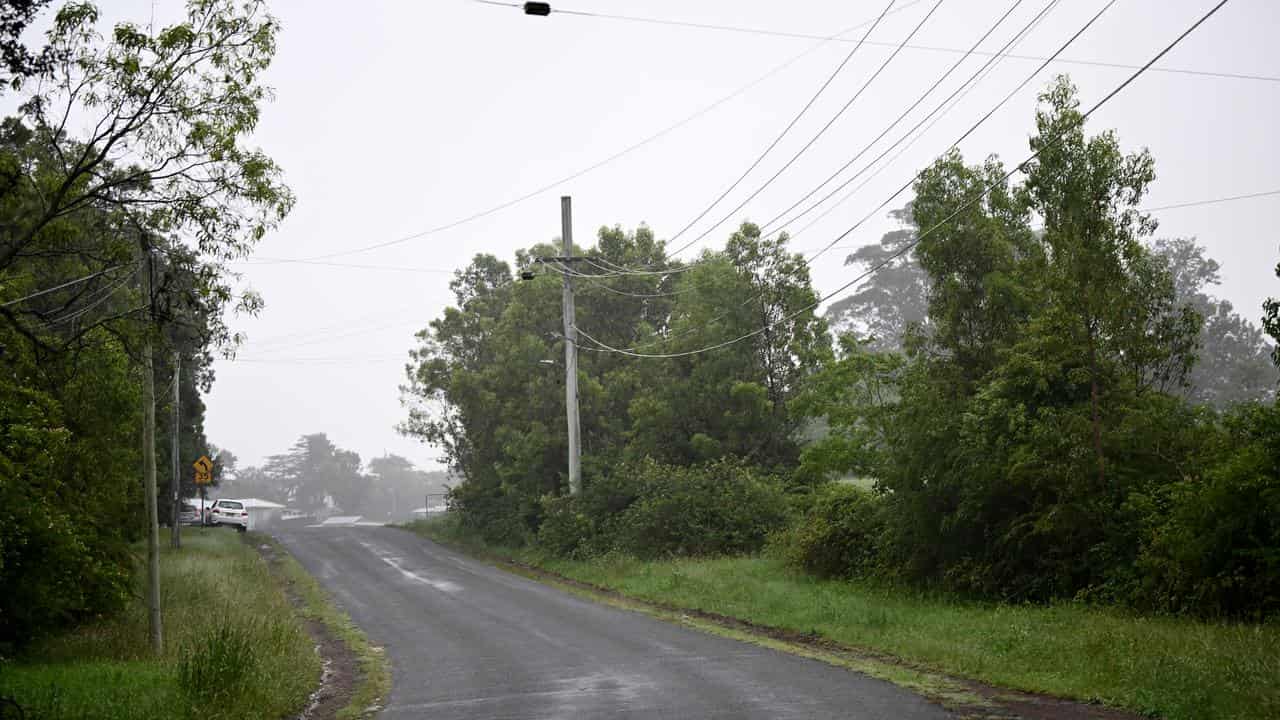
x=908 y=246
x=787 y=129
x=970 y=83
x=55 y=288
x=605 y=161
x=926 y=48
x=814 y=139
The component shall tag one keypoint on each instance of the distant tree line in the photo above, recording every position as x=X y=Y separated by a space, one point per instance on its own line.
x=1046 y=403
x=316 y=476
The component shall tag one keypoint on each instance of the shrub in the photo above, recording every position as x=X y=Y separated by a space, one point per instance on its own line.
x=566 y=530
x=1217 y=551
x=837 y=537
x=724 y=507
x=496 y=514
x=649 y=509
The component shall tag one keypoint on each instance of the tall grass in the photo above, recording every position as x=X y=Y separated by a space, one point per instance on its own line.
x=234 y=648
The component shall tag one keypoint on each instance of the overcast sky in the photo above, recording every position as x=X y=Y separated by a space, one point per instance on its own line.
x=391 y=118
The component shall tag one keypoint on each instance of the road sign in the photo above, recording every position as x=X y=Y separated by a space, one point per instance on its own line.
x=204 y=470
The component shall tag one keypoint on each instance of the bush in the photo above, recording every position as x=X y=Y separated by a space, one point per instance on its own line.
x=1217 y=551
x=566 y=530
x=61 y=561
x=649 y=509
x=837 y=537
x=495 y=514
x=721 y=508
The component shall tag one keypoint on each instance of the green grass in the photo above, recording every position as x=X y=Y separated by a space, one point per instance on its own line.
x=224 y=618
x=1166 y=667
x=375 y=671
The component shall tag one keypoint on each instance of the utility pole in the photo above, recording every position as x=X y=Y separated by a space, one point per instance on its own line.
x=149 y=461
x=570 y=339
x=175 y=534
x=570 y=353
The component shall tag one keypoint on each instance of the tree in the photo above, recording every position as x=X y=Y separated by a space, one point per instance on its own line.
x=162 y=187
x=317 y=475
x=732 y=401
x=396 y=487
x=854 y=397
x=1233 y=365
x=486 y=385
x=894 y=297
x=1271 y=322
x=1034 y=409
x=17 y=62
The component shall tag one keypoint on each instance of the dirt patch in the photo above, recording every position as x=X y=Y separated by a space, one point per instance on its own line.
x=966 y=698
x=341 y=669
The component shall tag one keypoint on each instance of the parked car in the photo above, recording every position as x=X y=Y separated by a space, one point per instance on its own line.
x=189 y=514
x=229 y=512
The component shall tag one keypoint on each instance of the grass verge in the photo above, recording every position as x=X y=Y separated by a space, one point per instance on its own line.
x=374 y=681
x=1160 y=666
x=234 y=648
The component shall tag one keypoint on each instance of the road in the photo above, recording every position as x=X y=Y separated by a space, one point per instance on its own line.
x=467 y=640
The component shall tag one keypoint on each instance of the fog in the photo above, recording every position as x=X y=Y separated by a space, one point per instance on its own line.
x=392 y=118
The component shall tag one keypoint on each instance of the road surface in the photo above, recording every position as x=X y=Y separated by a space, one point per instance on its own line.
x=467 y=640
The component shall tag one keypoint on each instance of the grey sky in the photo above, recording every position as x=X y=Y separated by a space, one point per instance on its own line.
x=394 y=117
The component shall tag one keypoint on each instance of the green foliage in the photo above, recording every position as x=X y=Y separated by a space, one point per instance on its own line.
x=1033 y=443
x=487 y=384
x=67 y=494
x=1271 y=322
x=649 y=509
x=160 y=185
x=854 y=396
x=1216 y=549
x=839 y=535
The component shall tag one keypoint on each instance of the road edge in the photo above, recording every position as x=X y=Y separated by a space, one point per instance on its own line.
x=967 y=699
x=373 y=682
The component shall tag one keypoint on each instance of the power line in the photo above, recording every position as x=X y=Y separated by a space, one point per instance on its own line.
x=907 y=247
x=815 y=138
x=1213 y=201
x=942 y=106
x=300 y=261
x=103 y=296
x=942 y=78
x=925 y=48
x=601 y=163
x=1017 y=38
x=1162 y=208
x=812 y=99
x=399 y=324
x=959 y=140
x=55 y=288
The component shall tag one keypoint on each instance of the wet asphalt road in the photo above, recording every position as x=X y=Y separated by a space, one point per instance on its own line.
x=467 y=640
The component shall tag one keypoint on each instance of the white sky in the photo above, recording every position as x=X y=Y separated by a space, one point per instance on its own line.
x=394 y=117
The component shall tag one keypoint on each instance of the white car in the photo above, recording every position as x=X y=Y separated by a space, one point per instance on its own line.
x=229 y=512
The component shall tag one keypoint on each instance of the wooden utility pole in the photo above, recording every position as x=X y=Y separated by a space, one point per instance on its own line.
x=570 y=353
x=175 y=532
x=565 y=265
x=149 y=462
